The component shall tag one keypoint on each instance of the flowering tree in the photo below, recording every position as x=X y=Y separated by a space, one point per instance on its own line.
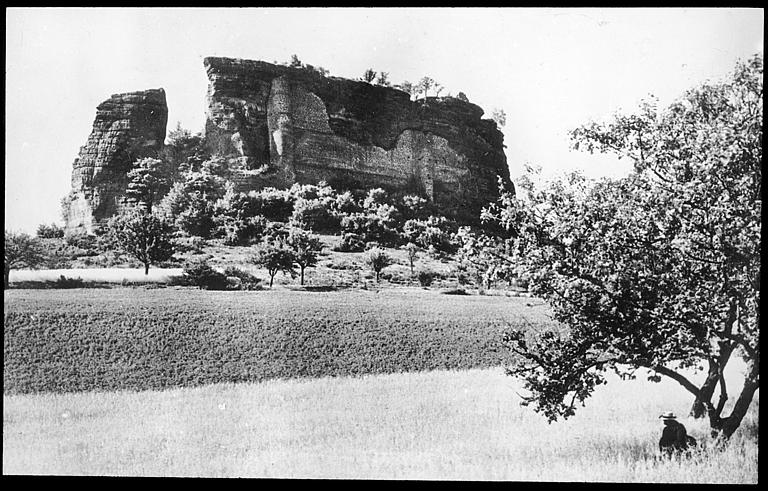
x=659 y=270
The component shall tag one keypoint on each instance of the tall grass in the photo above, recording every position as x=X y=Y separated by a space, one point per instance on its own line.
x=433 y=425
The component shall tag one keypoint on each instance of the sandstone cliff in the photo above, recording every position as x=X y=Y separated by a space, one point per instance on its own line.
x=289 y=125
x=127 y=127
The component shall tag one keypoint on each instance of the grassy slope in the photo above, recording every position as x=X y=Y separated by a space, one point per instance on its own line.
x=434 y=425
x=86 y=339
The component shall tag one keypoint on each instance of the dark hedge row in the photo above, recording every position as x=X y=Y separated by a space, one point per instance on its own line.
x=155 y=339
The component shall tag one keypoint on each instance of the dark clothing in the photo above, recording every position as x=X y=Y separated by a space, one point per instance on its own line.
x=674 y=438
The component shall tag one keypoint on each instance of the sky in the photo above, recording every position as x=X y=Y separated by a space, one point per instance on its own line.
x=550 y=70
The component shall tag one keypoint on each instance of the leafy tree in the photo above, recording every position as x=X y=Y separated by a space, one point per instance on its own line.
x=483 y=257
x=424 y=86
x=21 y=251
x=51 y=231
x=412 y=250
x=462 y=97
x=274 y=254
x=369 y=75
x=383 y=79
x=192 y=202
x=183 y=152
x=659 y=270
x=499 y=116
x=438 y=88
x=305 y=247
x=143 y=235
x=295 y=62
x=408 y=87
x=147 y=183
x=377 y=259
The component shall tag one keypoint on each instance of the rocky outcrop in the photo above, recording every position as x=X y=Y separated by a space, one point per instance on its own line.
x=127 y=127
x=286 y=125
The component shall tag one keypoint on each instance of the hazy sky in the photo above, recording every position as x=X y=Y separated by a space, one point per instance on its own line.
x=549 y=69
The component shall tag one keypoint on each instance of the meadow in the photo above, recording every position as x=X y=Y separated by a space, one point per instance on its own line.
x=395 y=383
x=135 y=338
x=430 y=425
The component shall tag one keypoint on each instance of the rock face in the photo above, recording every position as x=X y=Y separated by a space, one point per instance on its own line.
x=287 y=125
x=127 y=127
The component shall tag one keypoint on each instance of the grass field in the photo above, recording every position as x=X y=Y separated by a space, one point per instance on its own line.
x=429 y=425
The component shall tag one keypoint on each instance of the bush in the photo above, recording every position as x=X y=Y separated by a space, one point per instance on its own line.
x=247 y=280
x=64 y=282
x=426 y=277
x=350 y=243
x=82 y=240
x=315 y=214
x=51 y=231
x=242 y=231
x=200 y=274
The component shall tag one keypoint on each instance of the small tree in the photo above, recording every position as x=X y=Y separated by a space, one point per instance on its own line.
x=412 y=250
x=424 y=85
x=147 y=183
x=462 y=97
x=305 y=247
x=143 y=235
x=383 y=79
x=295 y=62
x=408 y=87
x=499 y=116
x=51 y=231
x=21 y=251
x=377 y=259
x=273 y=254
x=369 y=75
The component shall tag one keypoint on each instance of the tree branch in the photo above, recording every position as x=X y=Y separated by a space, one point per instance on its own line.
x=687 y=384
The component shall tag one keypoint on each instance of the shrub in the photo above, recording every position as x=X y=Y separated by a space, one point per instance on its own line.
x=426 y=277
x=81 y=240
x=433 y=234
x=200 y=274
x=64 y=282
x=247 y=280
x=315 y=214
x=350 y=243
x=377 y=259
x=51 y=231
x=241 y=231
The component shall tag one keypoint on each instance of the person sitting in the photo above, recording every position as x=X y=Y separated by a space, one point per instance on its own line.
x=674 y=437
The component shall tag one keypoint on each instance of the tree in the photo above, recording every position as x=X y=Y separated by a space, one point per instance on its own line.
x=408 y=88
x=305 y=247
x=383 y=79
x=438 y=88
x=377 y=259
x=295 y=62
x=462 y=97
x=412 y=250
x=145 y=236
x=424 y=85
x=499 y=116
x=369 y=75
x=21 y=251
x=51 y=231
x=659 y=270
x=273 y=254
x=147 y=183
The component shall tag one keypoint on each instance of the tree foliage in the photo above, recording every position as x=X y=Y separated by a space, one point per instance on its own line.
x=143 y=235
x=274 y=254
x=377 y=259
x=147 y=183
x=369 y=75
x=306 y=247
x=21 y=251
x=659 y=270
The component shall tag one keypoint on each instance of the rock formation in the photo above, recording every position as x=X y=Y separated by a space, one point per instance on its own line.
x=279 y=125
x=289 y=125
x=127 y=127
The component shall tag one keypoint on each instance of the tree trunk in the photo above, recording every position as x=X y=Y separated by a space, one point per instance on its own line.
x=271 y=279
x=751 y=384
x=146 y=269
x=6 y=276
x=302 y=275
x=699 y=409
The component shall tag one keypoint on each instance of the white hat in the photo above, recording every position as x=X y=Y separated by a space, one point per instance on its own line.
x=668 y=415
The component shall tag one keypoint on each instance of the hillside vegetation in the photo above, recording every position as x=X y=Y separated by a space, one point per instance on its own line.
x=79 y=340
